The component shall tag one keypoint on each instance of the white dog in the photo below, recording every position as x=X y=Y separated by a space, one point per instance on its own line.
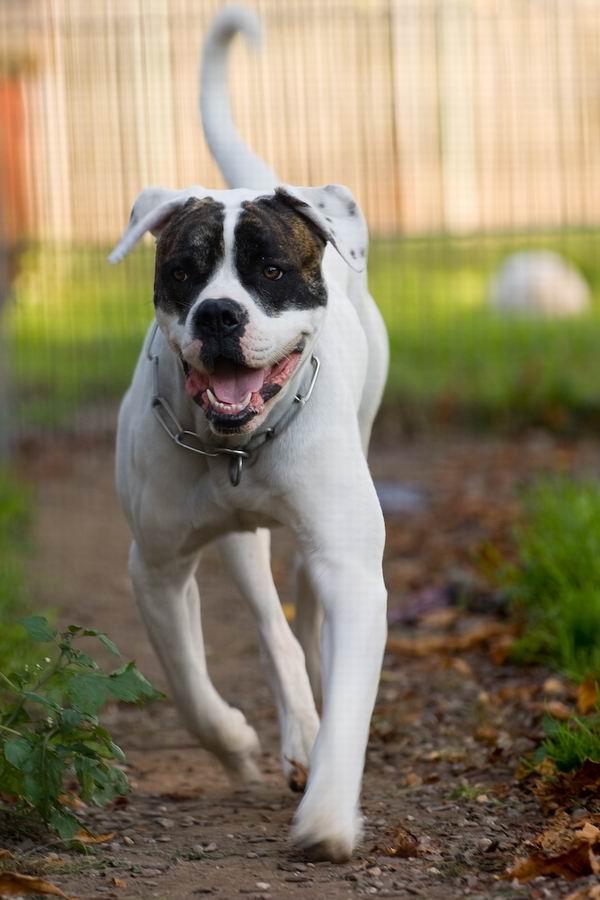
x=251 y=406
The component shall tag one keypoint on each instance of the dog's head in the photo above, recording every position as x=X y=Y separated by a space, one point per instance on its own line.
x=239 y=290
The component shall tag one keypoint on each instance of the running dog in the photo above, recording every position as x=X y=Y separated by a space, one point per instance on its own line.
x=251 y=406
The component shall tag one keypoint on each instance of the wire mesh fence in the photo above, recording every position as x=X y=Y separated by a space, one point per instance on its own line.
x=467 y=129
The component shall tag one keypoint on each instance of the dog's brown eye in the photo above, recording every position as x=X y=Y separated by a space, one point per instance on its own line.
x=179 y=274
x=273 y=273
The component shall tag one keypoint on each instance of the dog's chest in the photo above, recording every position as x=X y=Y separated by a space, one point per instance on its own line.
x=215 y=505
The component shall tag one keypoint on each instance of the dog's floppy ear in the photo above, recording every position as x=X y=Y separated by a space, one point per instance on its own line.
x=151 y=211
x=336 y=215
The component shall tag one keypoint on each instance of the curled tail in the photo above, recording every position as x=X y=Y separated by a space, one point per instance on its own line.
x=239 y=165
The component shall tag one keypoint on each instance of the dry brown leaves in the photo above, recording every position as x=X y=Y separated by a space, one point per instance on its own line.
x=567 y=849
x=86 y=837
x=12 y=884
x=587 y=696
x=474 y=635
x=400 y=843
x=591 y=893
x=556 y=790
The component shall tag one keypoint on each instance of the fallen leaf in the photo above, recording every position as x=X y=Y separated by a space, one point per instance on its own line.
x=400 y=843
x=587 y=696
x=487 y=734
x=448 y=643
x=558 y=710
x=86 y=837
x=413 y=780
x=462 y=667
x=572 y=864
x=440 y=618
x=500 y=648
x=6 y=854
x=560 y=789
x=566 y=851
x=591 y=893
x=588 y=833
x=12 y=884
x=554 y=686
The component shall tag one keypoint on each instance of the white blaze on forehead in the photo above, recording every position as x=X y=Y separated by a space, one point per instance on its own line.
x=266 y=338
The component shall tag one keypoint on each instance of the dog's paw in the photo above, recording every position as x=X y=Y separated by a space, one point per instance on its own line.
x=299 y=738
x=322 y=835
x=241 y=755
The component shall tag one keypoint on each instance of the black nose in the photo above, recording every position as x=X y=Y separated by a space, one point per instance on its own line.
x=219 y=318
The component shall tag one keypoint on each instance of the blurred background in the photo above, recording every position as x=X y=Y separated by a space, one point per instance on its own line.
x=467 y=129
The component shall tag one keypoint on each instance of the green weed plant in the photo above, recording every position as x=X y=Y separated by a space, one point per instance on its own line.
x=50 y=732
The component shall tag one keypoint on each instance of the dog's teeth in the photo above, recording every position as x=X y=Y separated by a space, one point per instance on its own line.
x=229 y=408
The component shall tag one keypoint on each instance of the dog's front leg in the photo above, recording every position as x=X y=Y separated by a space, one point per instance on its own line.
x=168 y=599
x=247 y=558
x=344 y=548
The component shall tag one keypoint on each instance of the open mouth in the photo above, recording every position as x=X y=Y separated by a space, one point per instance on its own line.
x=233 y=393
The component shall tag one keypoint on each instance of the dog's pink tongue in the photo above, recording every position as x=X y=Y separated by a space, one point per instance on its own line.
x=232 y=384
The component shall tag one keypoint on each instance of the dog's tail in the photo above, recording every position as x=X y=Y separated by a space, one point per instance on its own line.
x=239 y=165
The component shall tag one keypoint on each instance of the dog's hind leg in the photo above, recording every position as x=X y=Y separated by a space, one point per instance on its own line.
x=168 y=599
x=246 y=556
x=307 y=627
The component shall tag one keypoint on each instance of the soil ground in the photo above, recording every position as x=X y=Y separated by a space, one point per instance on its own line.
x=448 y=731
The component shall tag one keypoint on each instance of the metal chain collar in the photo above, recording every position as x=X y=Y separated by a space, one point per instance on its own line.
x=191 y=441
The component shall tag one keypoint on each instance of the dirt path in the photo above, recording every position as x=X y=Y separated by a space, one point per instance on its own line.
x=448 y=730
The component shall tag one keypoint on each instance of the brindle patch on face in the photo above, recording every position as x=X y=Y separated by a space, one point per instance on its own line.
x=270 y=233
x=190 y=245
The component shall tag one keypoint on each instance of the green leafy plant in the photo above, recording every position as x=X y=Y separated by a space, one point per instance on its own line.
x=49 y=726
x=15 y=515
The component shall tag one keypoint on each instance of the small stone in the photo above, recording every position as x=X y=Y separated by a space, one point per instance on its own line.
x=164 y=839
x=165 y=823
x=433 y=871
x=262 y=885
x=127 y=840
x=186 y=821
x=374 y=871
x=251 y=855
x=482 y=798
x=484 y=844
x=210 y=848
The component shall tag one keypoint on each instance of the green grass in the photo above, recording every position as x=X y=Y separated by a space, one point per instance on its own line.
x=555 y=584
x=77 y=326
x=570 y=744
x=14 y=536
x=453 y=359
